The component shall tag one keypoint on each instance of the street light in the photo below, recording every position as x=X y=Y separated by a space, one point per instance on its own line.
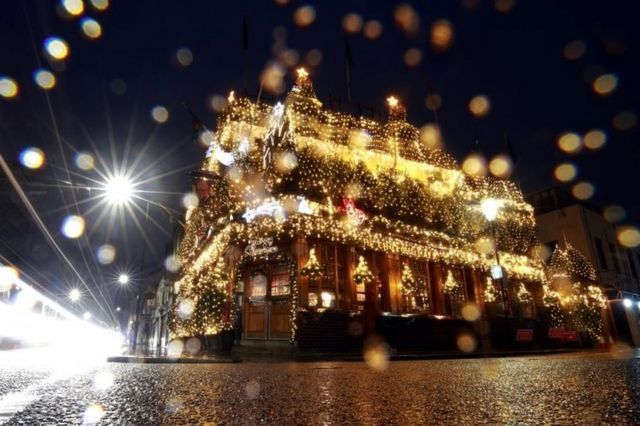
x=123 y=279
x=118 y=190
x=86 y=316
x=74 y=295
x=490 y=208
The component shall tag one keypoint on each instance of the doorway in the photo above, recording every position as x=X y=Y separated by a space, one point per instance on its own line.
x=267 y=302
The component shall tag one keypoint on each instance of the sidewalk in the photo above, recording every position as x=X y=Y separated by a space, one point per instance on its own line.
x=303 y=357
x=138 y=359
x=348 y=357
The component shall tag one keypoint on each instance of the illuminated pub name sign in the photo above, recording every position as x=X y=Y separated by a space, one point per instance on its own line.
x=260 y=247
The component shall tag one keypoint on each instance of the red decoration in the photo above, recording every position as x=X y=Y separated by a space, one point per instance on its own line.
x=349 y=208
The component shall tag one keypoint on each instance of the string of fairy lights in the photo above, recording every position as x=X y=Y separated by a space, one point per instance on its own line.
x=284 y=170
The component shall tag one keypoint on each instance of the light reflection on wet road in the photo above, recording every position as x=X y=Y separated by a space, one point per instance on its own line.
x=584 y=388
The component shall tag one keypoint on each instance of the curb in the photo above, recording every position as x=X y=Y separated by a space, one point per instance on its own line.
x=162 y=360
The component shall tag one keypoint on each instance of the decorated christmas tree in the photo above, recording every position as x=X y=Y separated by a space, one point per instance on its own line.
x=407 y=282
x=312 y=268
x=491 y=293
x=453 y=288
x=362 y=274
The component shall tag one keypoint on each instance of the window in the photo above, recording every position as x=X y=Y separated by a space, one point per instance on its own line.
x=258 y=286
x=614 y=257
x=632 y=265
x=455 y=298
x=416 y=296
x=280 y=284
x=329 y=291
x=601 y=256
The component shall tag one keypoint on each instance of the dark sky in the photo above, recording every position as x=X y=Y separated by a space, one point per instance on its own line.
x=515 y=57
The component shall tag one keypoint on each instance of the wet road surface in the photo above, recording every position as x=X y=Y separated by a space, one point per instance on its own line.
x=579 y=388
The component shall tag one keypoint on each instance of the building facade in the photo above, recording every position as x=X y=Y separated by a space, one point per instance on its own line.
x=562 y=219
x=306 y=211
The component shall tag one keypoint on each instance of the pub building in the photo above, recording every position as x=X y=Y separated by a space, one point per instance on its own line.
x=316 y=228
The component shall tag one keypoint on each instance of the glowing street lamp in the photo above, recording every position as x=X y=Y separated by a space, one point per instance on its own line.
x=74 y=295
x=490 y=208
x=123 y=279
x=118 y=190
x=86 y=316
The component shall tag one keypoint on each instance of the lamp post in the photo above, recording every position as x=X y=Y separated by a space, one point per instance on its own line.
x=490 y=208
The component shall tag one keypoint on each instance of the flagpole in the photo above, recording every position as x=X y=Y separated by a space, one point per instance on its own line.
x=348 y=81
x=512 y=154
x=347 y=65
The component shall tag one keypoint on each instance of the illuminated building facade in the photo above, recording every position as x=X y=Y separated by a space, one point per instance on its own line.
x=304 y=210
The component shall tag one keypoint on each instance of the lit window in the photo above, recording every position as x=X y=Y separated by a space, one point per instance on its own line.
x=313 y=299
x=328 y=299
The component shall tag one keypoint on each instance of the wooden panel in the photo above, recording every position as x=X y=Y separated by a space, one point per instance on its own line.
x=255 y=323
x=279 y=321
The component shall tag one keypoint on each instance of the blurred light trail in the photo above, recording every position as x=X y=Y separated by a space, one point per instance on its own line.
x=54 y=341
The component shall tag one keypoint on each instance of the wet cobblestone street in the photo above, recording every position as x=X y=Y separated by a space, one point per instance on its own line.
x=583 y=388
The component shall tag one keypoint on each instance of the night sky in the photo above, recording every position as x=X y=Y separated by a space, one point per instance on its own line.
x=513 y=52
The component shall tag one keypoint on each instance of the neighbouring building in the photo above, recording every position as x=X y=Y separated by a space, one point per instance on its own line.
x=160 y=317
x=314 y=226
x=562 y=219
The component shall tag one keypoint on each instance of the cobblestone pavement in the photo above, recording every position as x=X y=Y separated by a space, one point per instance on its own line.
x=577 y=388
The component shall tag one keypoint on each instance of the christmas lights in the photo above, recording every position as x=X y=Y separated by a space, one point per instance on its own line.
x=279 y=171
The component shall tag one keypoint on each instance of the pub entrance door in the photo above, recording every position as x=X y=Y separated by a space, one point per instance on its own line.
x=267 y=302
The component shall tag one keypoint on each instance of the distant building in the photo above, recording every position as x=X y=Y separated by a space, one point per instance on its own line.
x=160 y=317
x=560 y=217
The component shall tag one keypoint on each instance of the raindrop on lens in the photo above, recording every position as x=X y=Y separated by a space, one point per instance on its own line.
x=73 y=226
x=8 y=87
x=193 y=346
x=479 y=106
x=372 y=29
x=185 y=308
x=565 y=172
x=172 y=263
x=252 y=389
x=32 y=158
x=56 y=48
x=175 y=348
x=100 y=5
x=475 y=165
x=91 y=28
x=160 y=114
x=583 y=190
x=73 y=7
x=106 y=254
x=184 y=56
x=376 y=354
x=92 y=414
x=45 y=79
x=190 y=200
x=614 y=213
x=84 y=161
x=352 y=23
x=304 y=16
x=470 y=312
x=466 y=342
x=570 y=143
x=629 y=236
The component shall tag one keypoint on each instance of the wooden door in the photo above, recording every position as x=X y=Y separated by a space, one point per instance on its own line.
x=268 y=303
x=256 y=306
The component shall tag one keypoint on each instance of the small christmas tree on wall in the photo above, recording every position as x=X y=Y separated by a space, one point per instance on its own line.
x=312 y=268
x=407 y=282
x=362 y=274
x=453 y=288
x=491 y=293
